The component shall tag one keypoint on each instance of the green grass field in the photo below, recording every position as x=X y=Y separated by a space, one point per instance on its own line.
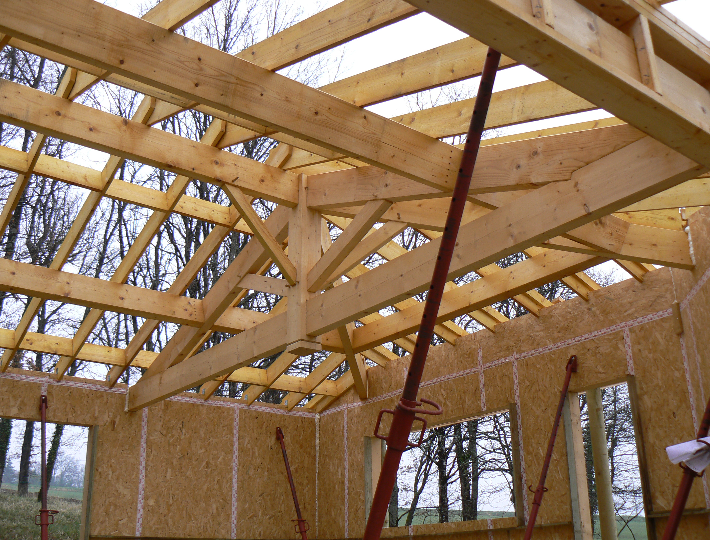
x=17 y=518
x=62 y=493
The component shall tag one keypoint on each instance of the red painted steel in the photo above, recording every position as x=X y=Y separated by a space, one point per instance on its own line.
x=541 y=489
x=685 y=484
x=46 y=517
x=408 y=406
x=301 y=524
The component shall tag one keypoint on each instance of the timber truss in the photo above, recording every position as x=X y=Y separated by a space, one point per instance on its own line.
x=569 y=198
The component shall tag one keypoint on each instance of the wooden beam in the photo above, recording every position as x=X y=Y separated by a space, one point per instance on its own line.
x=617 y=238
x=462 y=59
x=497 y=286
x=331 y=27
x=355 y=361
x=519 y=165
x=172 y=14
x=189 y=69
x=271 y=245
x=508 y=107
x=257 y=342
x=346 y=242
x=370 y=244
x=640 y=31
x=32 y=109
x=220 y=296
x=49 y=284
x=305 y=248
x=694 y=192
x=596 y=61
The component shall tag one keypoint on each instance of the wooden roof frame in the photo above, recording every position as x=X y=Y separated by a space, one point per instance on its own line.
x=568 y=197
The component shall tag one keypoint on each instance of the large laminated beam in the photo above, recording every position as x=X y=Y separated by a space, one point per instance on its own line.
x=37 y=281
x=593 y=59
x=52 y=115
x=517 y=165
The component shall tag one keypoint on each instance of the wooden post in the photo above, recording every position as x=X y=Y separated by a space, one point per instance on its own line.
x=304 y=249
x=88 y=483
x=602 y=474
x=579 y=494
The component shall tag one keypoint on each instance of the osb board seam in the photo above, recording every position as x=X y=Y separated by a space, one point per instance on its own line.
x=517 y=356
x=346 y=471
x=235 y=468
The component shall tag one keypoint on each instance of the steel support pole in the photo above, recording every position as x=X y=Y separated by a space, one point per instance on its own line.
x=406 y=410
x=540 y=491
x=685 y=484
x=301 y=525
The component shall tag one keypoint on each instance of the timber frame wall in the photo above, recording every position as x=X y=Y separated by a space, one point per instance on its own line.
x=186 y=468
x=569 y=198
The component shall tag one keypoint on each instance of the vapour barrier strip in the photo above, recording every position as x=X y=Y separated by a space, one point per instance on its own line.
x=235 y=469
x=696 y=288
x=619 y=327
x=99 y=387
x=691 y=331
x=490 y=529
x=141 y=472
x=523 y=475
x=629 y=354
x=317 y=463
x=345 y=468
x=480 y=379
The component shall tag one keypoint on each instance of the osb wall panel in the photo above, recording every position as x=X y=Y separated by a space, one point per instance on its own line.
x=114 y=501
x=331 y=477
x=665 y=415
x=264 y=504
x=623 y=330
x=188 y=471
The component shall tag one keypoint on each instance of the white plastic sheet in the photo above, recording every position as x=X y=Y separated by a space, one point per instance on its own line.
x=695 y=454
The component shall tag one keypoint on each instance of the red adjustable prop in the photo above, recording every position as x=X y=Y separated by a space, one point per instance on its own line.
x=408 y=406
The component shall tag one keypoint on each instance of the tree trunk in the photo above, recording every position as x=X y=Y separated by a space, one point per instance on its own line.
x=5 y=432
x=394 y=506
x=472 y=427
x=23 y=481
x=464 y=472
x=441 y=459
x=52 y=456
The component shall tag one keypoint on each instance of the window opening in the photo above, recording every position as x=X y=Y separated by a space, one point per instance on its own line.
x=461 y=472
x=622 y=461
x=66 y=458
